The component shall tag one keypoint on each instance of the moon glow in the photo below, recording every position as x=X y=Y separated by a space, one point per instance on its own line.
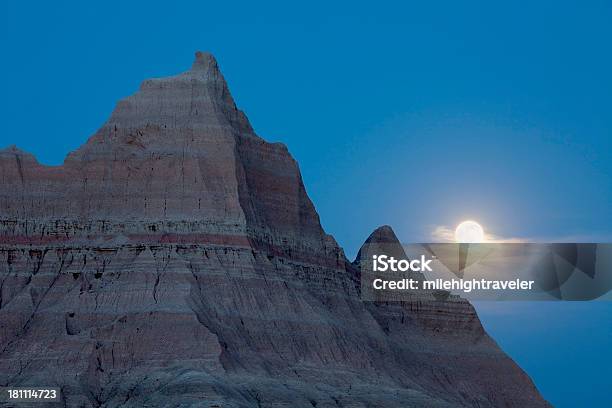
x=469 y=232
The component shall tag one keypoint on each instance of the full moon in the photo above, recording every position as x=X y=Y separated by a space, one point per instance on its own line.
x=469 y=232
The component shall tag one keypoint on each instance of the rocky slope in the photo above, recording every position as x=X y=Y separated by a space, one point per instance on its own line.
x=176 y=259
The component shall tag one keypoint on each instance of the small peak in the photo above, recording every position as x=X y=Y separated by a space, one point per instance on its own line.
x=382 y=240
x=383 y=235
x=204 y=61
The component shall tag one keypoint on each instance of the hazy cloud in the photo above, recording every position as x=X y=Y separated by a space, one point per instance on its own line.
x=443 y=233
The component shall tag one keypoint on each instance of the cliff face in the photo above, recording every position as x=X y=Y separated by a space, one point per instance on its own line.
x=177 y=152
x=176 y=258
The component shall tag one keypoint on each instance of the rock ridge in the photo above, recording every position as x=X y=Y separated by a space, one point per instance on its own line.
x=176 y=259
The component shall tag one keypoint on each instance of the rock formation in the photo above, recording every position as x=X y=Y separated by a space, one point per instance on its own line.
x=176 y=259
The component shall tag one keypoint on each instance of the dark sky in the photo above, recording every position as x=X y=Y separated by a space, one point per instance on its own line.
x=413 y=116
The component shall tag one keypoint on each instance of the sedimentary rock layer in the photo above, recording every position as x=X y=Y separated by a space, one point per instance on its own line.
x=175 y=258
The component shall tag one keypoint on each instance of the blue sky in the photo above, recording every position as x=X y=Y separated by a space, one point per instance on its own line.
x=411 y=115
x=563 y=346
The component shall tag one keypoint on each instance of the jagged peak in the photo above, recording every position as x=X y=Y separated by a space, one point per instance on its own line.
x=204 y=68
x=191 y=97
x=204 y=62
